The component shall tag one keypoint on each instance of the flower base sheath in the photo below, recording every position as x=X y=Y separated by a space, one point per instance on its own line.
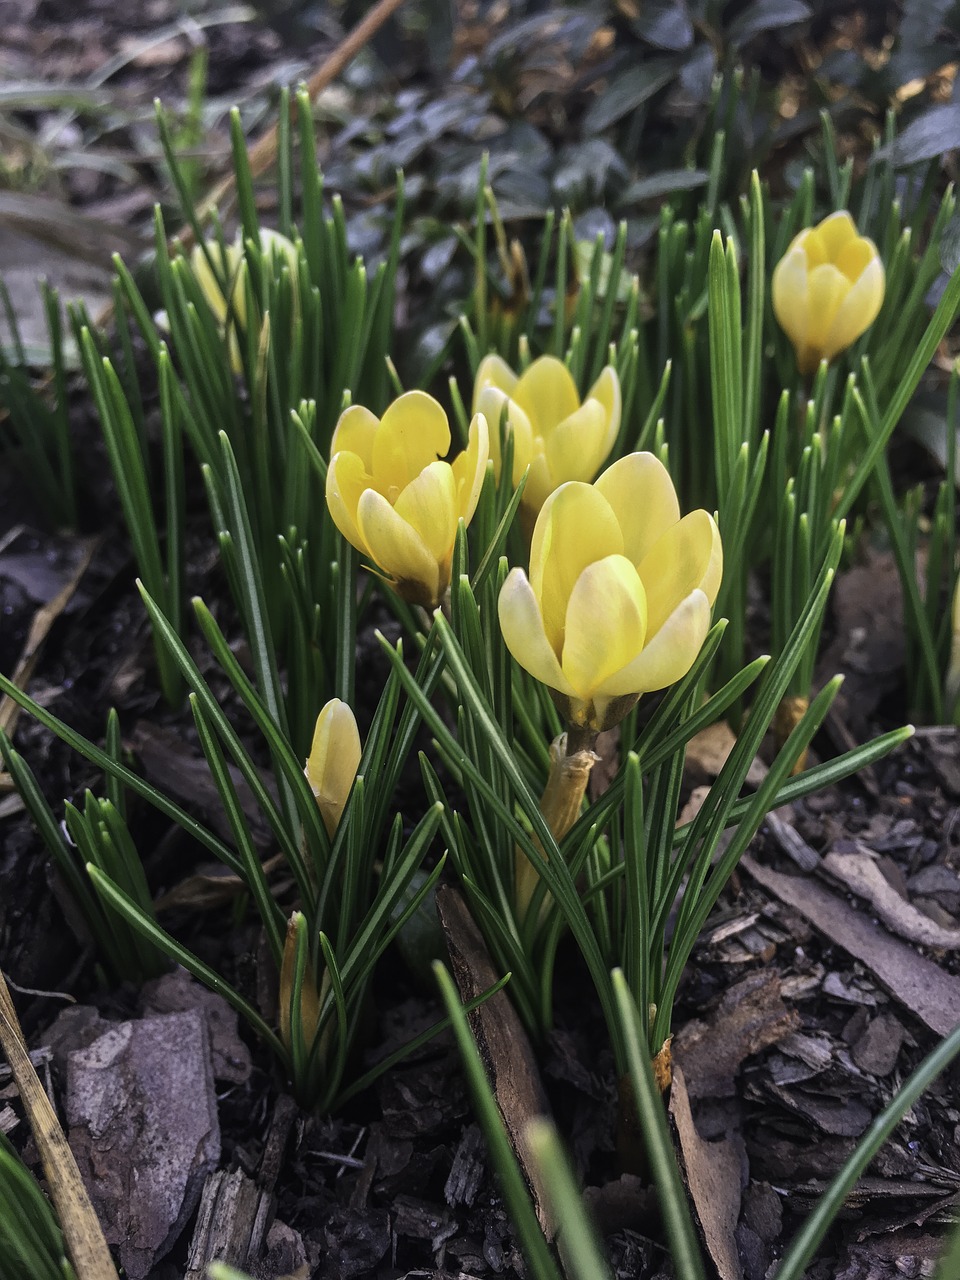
x=619 y=594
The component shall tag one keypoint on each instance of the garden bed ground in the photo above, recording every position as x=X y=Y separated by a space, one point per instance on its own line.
x=821 y=981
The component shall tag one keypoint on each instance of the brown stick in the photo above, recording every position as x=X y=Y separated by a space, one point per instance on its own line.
x=264 y=151
x=81 y=1230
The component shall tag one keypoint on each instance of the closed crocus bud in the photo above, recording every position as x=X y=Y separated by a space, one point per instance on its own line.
x=827 y=289
x=392 y=497
x=334 y=758
x=554 y=435
x=619 y=594
x=232 y=271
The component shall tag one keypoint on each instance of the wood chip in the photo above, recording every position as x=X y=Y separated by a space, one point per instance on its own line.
x=143 y=1126
x=231 y=1225
x=501 y=1039
x=712 y=1171
x=177 y=992
x=791 y=842
x=749 y=1017
x=842 y=1117
x=877 y=1049
x=862 y=876
x=920 y=985
x=708 y=751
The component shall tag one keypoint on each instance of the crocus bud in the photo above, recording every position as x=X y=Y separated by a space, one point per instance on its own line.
x=392 y=497
x=334 y=758
x=619 y=594
x=827 y=289
x=554 y=435
x=232 y=272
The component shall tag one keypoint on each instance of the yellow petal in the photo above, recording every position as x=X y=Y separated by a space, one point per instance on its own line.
x=491 y=401
x=429 y=505
x=855 y=256
x=790 y=289
x=835 y=232
x=347 y=480
x=547 y=394
x=687 y=557
x=333 y=761
x=540 y=482
x=828 y=288
x=470 y=466
x=606 y=623
x=606 y=389
x=575 y=527
x=814 y=250
x=524 y=635
x=641 y=493
x=278 y=250
x=397 y=549
x=666 y=658
x=493 y=371
x=356 y=430
x=238 y=289
x=210 y=281
x=577 y=447
x=413 y=433
x=857 y=311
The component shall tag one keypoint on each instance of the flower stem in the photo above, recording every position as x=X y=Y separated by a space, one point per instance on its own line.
x=572 y=756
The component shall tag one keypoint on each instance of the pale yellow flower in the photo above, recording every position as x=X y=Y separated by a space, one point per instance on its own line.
x=827 y=289
x=619 y=594
x=554 y=435
x=232 y=271
x=391 y=495
x=334 y=758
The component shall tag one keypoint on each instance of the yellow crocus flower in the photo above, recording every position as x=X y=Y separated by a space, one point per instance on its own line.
x=619 y=594
x=554 y=435
x=334 y=758
x=392 y=497
x=827 y=289
x=232 y=270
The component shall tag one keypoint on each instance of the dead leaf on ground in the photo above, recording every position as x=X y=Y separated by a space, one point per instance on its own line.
x=43 y=620
x=868 y=648
x=173 y=768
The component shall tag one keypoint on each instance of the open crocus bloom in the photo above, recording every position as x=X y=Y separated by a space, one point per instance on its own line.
x=394 y=500
x=618 y=599
x=827 y=289
x=554 y=435
x=333 y=761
